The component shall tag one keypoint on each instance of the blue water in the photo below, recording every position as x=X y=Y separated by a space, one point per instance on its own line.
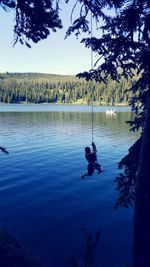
x=43 y=200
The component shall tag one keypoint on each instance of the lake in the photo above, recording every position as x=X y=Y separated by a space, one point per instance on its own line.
x=44 y=202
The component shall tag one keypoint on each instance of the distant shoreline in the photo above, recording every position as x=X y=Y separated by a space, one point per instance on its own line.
x=74 y=103
x=41 y=88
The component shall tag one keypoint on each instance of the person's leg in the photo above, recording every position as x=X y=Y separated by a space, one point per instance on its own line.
x=98 y=167
x=90 y=170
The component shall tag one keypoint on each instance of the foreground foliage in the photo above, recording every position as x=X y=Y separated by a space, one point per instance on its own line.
x=12 y=254
x=123 y=46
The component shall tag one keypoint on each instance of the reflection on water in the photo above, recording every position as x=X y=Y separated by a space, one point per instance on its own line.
x=76 y=119
x=44 y=202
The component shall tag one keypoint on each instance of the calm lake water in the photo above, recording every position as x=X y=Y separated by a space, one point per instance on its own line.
x=43 y=200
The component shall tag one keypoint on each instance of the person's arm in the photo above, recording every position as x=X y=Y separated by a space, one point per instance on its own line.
x=94 y=147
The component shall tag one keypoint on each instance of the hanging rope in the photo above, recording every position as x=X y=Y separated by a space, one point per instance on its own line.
x=92 y=68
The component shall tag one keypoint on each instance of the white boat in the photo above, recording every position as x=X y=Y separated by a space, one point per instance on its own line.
x=111 y=111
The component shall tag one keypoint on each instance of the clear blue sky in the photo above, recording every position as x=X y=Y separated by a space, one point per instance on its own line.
x=53 y=55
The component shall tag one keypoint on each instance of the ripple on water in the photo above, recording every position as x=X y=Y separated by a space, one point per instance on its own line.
x=43 y=198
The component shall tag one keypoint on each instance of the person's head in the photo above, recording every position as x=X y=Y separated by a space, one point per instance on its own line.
x=87 y=150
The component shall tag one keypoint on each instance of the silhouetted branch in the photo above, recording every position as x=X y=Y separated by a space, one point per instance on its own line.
x=4 y=150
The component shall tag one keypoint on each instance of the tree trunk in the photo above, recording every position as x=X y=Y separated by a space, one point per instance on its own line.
x=141 y=238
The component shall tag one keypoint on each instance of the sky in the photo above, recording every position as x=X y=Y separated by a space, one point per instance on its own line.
x=53 y=55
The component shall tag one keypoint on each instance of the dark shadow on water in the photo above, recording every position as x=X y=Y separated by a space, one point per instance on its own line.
x=90 y=246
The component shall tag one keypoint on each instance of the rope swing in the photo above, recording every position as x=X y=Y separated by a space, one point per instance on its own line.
x=92 y=68
x=91 y=156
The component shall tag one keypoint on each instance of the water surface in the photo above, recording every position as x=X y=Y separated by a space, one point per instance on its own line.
x=43 y=200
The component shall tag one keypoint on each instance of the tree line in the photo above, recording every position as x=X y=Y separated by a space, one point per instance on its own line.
x=48 y=88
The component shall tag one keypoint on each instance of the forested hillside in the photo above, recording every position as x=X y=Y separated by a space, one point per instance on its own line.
x=50 y=88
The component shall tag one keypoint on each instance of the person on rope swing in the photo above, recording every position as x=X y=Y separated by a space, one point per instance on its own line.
x=91 y=157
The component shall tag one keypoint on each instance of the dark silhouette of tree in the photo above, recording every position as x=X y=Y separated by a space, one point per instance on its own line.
x=33 y=19
x=124 y=46
x=3 y=149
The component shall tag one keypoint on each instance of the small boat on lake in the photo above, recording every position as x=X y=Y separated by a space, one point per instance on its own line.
x=111 y=111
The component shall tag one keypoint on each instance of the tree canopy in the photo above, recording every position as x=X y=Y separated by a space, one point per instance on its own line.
x=33 y=19
x=124 y=49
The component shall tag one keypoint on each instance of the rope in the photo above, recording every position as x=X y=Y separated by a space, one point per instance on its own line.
x=92 y=68
x=92 y=123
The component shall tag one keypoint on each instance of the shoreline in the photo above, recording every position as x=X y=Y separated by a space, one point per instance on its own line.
x=71 y=104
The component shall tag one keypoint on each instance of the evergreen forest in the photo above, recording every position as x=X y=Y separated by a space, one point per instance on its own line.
x=51 y=88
